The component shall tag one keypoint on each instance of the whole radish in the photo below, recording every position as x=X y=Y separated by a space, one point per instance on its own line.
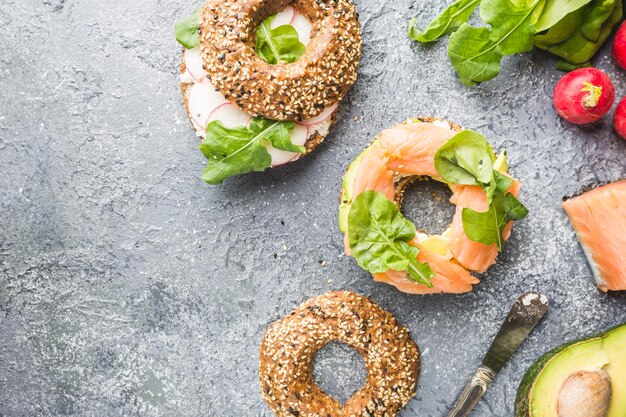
x=619 y=46
x=619 y=118
x=584 y=95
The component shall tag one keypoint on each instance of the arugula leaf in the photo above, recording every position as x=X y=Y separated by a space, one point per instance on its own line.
x=379 y=234
x=475 y=53
x=486 y=227
x=186 y=30
x=467 y=158
x=241 y=149
x=450 y=19
x=278 y=45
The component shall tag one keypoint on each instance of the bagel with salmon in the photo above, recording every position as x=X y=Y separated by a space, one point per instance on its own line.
x=262 y=80
x=389 y=246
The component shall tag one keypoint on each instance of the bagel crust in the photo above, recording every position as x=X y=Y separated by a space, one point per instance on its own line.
x=288 y=92
x=289 y=346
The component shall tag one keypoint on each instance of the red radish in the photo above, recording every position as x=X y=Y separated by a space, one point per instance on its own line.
x=584 y=95
x=299 y=135
x=322 y=117
x=193 y=63
x=619 y=46
x=284 y=17
x=229 y=115
x=202 y=99
x=303 y=27
x=619 y=118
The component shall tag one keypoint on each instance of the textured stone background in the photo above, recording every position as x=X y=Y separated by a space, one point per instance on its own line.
x=129 y=287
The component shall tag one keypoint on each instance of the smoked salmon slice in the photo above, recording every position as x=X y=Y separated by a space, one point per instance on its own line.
x=599 y=220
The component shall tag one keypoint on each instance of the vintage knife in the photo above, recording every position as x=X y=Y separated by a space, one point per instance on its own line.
x=526 y=312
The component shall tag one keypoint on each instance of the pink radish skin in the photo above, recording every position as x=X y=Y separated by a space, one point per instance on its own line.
x=202 y=100
x=322 y=117
x=619 y=46
x=193 y=63
x=619 y=118
x=299 y=136
x=303 y=27
x=283 y=18
x=584 y=95
x=230 y=116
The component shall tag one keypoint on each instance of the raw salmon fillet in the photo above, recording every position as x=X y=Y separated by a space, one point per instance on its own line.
x=599 y=219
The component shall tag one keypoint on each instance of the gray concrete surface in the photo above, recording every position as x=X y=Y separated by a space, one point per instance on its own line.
x=128 y=287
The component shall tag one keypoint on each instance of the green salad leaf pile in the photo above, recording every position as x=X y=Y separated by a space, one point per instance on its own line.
x=573 y=30
x=468 y=159
x=242 y=149
x=379 y=234
x=279 y=45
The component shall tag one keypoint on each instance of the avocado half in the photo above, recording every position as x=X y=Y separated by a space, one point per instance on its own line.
x=539 y=391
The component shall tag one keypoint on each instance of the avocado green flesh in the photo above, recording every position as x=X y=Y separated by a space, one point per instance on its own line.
x=604 y=352
x=346 y=191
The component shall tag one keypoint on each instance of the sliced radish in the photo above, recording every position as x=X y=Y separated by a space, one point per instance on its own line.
x=202 y=100
x=284 y=17
x=230 y=116
x=193 y=63
x=303 y=27
x=322 y=117
x=299 y=136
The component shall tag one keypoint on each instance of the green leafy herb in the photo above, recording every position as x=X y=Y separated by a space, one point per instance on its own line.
x=447 y=22
x=186 y=30
x=580 y=47
x=467 y=158
x=379 y=234
x=563 y=65
x=242 y=149
x=555 y=10
x=475 y=53
x=573 y=30
x=487 y=227
x=278 y=45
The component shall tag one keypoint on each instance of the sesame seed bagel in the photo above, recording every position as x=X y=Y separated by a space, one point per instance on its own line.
x=289 y=92
x=289 y=346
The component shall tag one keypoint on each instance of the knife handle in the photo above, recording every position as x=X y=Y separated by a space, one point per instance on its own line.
x=473 y=392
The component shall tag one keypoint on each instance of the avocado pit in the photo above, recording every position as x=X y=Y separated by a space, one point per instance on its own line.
x=585 y=394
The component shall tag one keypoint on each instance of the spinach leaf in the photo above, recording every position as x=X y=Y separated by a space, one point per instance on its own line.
x=186 y=30
x=578 y=49
x=599 y=14
x=467 y=158
x=486 y=227
x=278 y=45
x=447 y=22
x=563 y=65
x=475 y=53
x=379 y=234
x=241 y=149
x=555 y=10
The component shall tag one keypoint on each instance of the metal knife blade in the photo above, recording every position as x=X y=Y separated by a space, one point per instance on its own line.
x=526 y=312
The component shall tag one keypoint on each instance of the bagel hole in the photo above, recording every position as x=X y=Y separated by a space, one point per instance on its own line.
x=339 y=370
x=426 y=204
